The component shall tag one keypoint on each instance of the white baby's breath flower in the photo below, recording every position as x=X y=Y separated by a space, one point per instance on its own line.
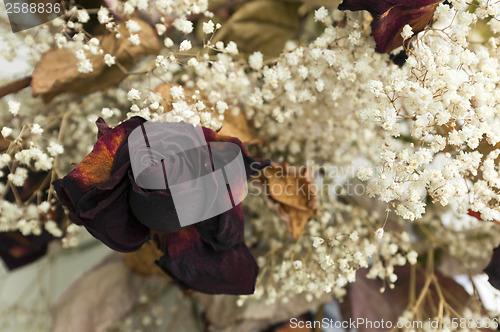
x=83 y=16
x=407 y=32
x=321 y=14
x=208 y=27
x=177 y=92
x=133 y=26
x=85 y=66
x=18 y=177
x=221 y=106
x=232 y=48
x=168 y=42
x=161 y=29
x=133 y=94
x=185 y=45
x=109 y=60
x=103 y=15
x=106 y=113
x=256 y=60
x=55 y=149
x=193 y=62
x=44 y=207
x=365 y=173
x=14 y=107
x=412 y=257
x=135 y=39
x=36 y=129
x=183 y=25
x=6 y=131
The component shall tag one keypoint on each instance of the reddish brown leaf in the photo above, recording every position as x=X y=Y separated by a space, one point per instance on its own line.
x=57 y=71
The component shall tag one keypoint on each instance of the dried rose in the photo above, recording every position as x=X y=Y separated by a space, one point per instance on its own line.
x=102 y=195
x=390 y=17
x=16 y=249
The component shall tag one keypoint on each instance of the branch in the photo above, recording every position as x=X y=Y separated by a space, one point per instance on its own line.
x=15 y=86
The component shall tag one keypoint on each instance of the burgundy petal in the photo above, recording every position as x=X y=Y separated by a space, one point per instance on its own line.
x=387 y=28
x=17 y=250
x=390 y=16
x=96 y=191
x=102 y=127
x=196 y=265
x=493 y=269
x=105 y=213
x=375 y=7
x=154 y=209
x=223 y=231
x=379 y=7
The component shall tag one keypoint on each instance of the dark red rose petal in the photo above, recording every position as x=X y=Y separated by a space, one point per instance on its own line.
x=493 y=269
x=197 y=266
x=95 y=168
x=387 y=28
x=96 y=193
x=390 y=16
x=106 y=214
x=17 y=250
x=154 y=209
x=379 y=7
x=102 y=127
x=223 y=231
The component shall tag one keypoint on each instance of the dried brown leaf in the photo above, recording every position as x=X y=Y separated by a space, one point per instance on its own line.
x=98 y=299
x=57 y=72
x=143 y=260
x=223 y=314
x=238 y=126
x=295 y=190
x=262 y=25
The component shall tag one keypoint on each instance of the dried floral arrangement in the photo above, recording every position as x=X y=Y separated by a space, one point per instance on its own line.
x=374 y=131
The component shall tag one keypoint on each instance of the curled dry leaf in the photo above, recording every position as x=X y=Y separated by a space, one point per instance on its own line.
x=224 y=315
x=57 y=71
x=98 y=299
x=294 y=189
x=262 y=25
x=143 y=260
x=238 y=126
x=233 y=125
x=364 y=299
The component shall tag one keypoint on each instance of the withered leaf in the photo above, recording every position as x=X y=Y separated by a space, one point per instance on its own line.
x=262 y=25
x=364 y=299
x=238 y=126
x=295 y=190
x=143 y=260
x=224 y=315
x=311 y=5
x=99 y=298
x=57 y=71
